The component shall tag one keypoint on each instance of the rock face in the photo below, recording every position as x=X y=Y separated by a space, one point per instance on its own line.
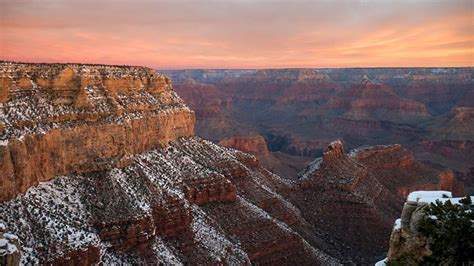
x=299 y=111
x=62 y=119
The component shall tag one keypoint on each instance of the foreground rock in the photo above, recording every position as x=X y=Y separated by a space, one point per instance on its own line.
x=62 y=119
x=9 y=248
x=410 y=245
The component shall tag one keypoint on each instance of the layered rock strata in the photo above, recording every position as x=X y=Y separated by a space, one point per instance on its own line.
x=64 y=118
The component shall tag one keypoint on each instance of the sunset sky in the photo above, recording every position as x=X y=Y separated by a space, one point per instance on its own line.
x=239 y=34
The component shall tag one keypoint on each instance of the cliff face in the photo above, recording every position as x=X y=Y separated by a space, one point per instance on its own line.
x=62 y=119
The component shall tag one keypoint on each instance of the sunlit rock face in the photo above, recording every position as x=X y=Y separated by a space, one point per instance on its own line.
x=61 y=119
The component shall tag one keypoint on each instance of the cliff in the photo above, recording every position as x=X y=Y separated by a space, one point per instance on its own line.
x=65 y=118
x=253 y=144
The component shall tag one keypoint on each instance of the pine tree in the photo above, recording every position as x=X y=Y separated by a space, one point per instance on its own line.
x=449 y=229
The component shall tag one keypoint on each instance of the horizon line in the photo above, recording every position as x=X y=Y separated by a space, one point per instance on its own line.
x=223 y=68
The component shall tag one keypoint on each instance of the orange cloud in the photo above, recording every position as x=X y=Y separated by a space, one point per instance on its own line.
x=235 y=34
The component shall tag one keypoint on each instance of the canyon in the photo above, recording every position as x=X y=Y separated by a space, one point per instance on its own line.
x=429 y=111
x=102 y=164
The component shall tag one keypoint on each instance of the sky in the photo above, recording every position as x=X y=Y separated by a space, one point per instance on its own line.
x=176 y=34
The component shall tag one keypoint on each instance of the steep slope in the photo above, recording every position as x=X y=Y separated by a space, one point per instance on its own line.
x=355 y=197
x=167 y=206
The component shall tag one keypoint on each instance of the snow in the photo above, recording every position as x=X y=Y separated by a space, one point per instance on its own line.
x=398 y=224
x=382 y=262
x=164 y=253
x=443 y=200
x=219 y=247
x=433 y=196
x=11 y=249
x=425 y=196
x=311 y=168
x=10 y=236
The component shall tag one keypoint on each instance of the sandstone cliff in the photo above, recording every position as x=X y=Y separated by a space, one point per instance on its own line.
x=64 y=118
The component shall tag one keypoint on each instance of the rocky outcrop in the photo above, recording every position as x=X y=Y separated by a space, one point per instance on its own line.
x=62 y=119
x=407 y=244
x=448 y=181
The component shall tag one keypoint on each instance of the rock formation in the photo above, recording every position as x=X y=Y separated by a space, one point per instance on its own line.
x=63 y=119
x=100 y=164
x=407 y=244
x=253 y=144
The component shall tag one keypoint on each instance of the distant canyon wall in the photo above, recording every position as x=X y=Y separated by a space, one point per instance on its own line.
x=299 y=111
